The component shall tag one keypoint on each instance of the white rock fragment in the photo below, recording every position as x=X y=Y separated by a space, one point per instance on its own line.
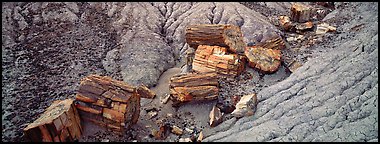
x=185 y=140
x=215 y=116
x=246 y=106
x=176 y=130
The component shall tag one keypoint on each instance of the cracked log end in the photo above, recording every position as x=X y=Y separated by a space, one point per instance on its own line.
x=109 y=103
x=229 y=36
x=266 y=60
x=300 y=13
x=59 y=123
x=215 y=59
x=246 y=106
x=194 y=86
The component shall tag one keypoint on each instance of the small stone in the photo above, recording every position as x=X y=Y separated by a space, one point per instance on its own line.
x=200 y=137
x=185 y=140
x=165 y=99
x=215 y=116
x=105 y=140
x=246 y=106
x=152 y=114
x=169 y=115
x=290 y=39
x=294 y=66
x=134 y=141
x=189 y=130
x=324 y=28
x=176 y=130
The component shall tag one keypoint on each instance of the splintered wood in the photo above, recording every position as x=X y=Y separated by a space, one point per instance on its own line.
x=109 y=103
x=215 y=59
x=194 y=86
x=229 y=36
x=59 y=123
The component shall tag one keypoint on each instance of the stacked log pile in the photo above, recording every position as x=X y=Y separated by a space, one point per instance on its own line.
x=109 y=103
x=194 y=86
x=215 y=59
x=59 y=123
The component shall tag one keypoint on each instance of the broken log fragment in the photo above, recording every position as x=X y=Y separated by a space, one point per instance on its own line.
x=300 y=13
x=285 y=23
x=59 y=123
x=194 y=86
x=145 y=92
x=116 y=107
x=224 y=35
x=215 y=59
x=266 y=60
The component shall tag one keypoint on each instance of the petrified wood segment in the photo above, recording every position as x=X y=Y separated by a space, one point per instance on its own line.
x=267 y=60
x=300 y=13
x=107 y=102
x=229 y=36
x=215 y=59
x=194 y=86
x=59 y=123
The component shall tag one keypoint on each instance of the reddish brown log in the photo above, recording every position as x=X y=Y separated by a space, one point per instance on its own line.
x=215 y=59
x=300 y=13
x=107 y=102
x=194 y=86
x=229 y=36
x=57 y=124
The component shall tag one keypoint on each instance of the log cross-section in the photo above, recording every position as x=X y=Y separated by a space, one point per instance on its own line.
x=224 y=35
x=109 y=103
x=194 y=86
x=59 y=123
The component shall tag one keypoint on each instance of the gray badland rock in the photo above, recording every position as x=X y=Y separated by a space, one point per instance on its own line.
x=49 y=46
x=333 y=97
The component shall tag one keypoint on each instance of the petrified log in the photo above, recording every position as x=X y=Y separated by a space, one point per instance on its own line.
x=194 y=86
x=300 y=13
x=109 y=103
x=59 y=123
x=285 y=23
x=229 y=36
x=215 y=59
x=266 y=60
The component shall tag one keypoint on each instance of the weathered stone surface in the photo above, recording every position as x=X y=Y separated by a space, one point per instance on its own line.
x=332 y=97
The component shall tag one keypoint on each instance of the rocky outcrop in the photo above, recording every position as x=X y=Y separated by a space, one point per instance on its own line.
x=332 y=97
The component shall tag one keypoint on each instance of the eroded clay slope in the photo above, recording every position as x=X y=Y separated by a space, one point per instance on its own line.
x=333 y=97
